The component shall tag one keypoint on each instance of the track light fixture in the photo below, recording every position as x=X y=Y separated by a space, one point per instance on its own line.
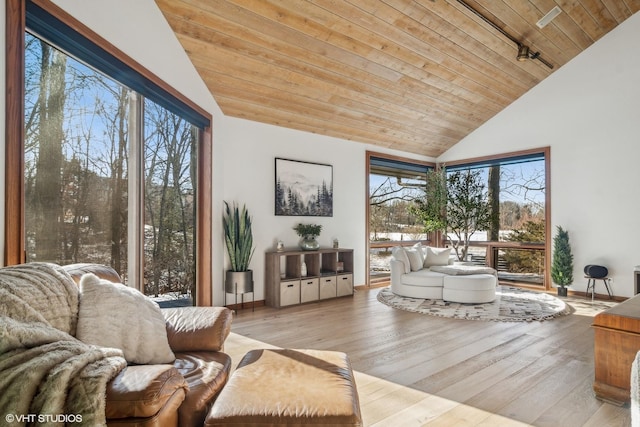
x=524 y=52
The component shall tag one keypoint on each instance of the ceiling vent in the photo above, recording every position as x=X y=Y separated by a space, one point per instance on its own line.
x=549 y=17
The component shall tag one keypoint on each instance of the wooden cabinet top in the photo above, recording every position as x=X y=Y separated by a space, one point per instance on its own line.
x=624 y=316
x=298 y=251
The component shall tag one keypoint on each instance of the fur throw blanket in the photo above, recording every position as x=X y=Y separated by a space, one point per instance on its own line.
x=635 y=391
x=46 y=373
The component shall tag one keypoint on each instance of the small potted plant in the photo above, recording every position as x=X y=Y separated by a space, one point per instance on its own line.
x=562 y=265
x=308 y=232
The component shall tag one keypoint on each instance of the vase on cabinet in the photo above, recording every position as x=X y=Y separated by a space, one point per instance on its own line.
x=309 y=243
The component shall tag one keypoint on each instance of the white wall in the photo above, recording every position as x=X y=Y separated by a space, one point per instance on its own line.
x=588 y=112
x=247 y=160
x=249 y=154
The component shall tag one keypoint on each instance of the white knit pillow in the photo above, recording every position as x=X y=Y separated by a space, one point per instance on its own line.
x=117 y=316
x=399 y=254
x=437 y=256
x=421 y=251
x=415 y=259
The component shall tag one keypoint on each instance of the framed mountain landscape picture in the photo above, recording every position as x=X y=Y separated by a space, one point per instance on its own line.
x=303 y=188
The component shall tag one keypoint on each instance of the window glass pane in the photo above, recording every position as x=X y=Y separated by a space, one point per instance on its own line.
x=515 y=189
x=76 y=142
x=170 y=145
x=522 y=200
x=390 y=197
x=393 y=187
x=520 y=191
x=86 y=164
x=62 y=34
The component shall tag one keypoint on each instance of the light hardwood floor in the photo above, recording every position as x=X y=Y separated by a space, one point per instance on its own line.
x=415 y=370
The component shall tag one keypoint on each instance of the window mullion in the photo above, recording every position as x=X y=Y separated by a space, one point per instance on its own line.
x=135 y=230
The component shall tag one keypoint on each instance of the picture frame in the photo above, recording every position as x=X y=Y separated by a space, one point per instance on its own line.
x=303 y=188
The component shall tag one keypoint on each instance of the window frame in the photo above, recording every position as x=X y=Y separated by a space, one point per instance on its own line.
x=14 y=245
x=515 y=155
x=369 y=155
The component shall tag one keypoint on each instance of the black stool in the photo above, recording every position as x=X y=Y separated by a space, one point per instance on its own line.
x=591 y=283
x=593 y=273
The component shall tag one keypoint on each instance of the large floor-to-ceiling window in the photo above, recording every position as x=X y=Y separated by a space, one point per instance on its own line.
x=393 y=185
x=512 y=186
x=516 y=188
x=110 y=164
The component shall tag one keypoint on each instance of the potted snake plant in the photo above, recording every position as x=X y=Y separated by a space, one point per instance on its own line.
x=239 y=242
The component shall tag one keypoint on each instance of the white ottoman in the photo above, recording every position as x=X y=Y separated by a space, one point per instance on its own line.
x=470 y=289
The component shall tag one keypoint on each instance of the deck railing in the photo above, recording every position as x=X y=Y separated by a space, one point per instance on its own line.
x=493 y=254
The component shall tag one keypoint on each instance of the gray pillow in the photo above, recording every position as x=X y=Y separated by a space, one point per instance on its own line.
x=437 y=256
x=399 y=254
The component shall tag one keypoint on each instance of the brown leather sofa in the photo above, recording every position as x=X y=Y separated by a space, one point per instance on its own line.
x=171 y=395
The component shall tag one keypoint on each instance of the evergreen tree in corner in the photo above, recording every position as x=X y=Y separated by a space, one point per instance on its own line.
x=562 y=265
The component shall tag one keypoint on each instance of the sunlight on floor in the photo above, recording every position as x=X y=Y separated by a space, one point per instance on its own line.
x=586 y=307
x=384 y=403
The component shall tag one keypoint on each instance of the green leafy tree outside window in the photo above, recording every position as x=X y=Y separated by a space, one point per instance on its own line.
x=468 y=208
x=457 y=203
x=525 y=261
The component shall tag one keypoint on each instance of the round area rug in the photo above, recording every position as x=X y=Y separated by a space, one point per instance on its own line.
x=511 y=305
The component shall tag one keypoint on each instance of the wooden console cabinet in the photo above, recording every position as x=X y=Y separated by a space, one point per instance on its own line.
x=616 y=343
x=329 y=275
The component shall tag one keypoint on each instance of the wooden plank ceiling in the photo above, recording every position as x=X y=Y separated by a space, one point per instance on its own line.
x=412 y=75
